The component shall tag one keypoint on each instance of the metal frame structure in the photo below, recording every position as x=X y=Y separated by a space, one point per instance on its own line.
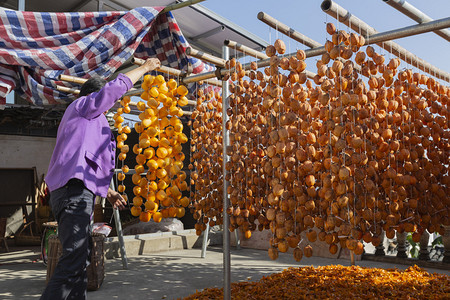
x=344 y=16
x=332 y=9
x=417 y=15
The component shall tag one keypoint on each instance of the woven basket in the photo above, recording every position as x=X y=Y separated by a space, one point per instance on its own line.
x=95 y=270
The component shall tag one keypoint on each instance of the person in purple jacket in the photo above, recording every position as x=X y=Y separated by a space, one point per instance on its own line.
x=81 y=167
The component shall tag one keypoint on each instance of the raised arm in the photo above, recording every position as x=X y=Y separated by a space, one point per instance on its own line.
x=149 y=65
x=96 y=103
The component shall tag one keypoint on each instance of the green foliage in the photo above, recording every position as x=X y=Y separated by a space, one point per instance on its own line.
x=414 y=251
x=415 y=247
x=437 y=241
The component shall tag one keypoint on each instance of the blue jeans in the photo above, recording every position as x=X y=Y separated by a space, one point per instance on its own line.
x=72 y=206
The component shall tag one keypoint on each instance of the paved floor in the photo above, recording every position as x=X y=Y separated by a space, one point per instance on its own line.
x=164 y=275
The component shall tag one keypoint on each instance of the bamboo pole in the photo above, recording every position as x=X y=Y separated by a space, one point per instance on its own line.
x=76 y=92
x=213 y=82
x=180 y=5
x=256 y=54
x=67 y=90
x=220 y=62
x=245 y=49
x=73 y=79
x=176 y=72
x=132 y=92
x=297 y=36
x=381 y=37
x=162 y=69
x=290 y=32
x=384 y=39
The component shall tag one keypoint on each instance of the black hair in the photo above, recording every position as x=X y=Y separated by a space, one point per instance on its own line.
x=93 y=84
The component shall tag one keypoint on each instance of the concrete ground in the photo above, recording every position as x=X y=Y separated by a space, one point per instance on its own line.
x=170 y=274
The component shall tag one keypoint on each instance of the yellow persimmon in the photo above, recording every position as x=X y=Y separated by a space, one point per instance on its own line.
x=137 y=190
x=154 y=92
x=153 y=103
x=152 y=186
x=141 y=105
x=136 y=211
x=162 y=185
x=161 y=152
x=150 y=205
x=161 y=195
x=152 y=165
x=172 y=84
x=140 y=159
x=139 y=169
x=136 y=178
x=154 y=142
x=125 y=148
x=182 y=90
x=126 y=109
x=157 y=217
x=137 y=201
x=144 y=143
x=180 y=212
x=149 y=152
x=152 y=197
x=145 y=216
x=184 y=201
x=136 y=149
x=161 y=173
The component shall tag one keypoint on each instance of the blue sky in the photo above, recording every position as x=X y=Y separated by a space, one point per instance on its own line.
x=307 y=17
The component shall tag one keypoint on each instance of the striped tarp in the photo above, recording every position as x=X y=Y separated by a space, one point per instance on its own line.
x=36 y=47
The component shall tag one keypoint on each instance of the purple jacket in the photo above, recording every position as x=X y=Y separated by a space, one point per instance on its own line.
x=85 y=146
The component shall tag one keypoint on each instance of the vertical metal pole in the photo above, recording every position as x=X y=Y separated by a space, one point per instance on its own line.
x=238 y=240
x=21 y=5
x=205 y=241
x=116 y=215
x=100 y=5
x=226 y=220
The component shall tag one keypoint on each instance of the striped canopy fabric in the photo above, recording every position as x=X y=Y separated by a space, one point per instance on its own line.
x=36 y=47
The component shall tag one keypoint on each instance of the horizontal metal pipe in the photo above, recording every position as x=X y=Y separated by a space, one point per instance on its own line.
x=180 y=5
x=410 y=30
x=380 y=37
x=245 y=49
x=345 y=17
x=283 y=28
x=321 y=50
x=206 y=57
x=417 y=15
x=260 y=63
